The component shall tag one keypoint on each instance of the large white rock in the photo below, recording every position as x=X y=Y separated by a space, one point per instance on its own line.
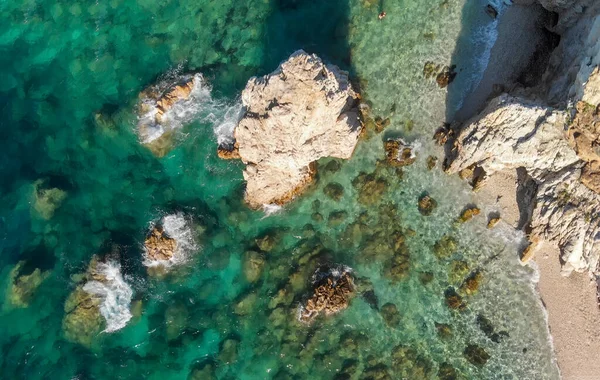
x=516 y=133
x=511 y=133
x=303 y=111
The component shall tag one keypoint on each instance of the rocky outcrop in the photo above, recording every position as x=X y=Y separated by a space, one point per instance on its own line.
x=331 y=295
x=516 y=133
x=159 y=246
x=511 y=133
x=399 y=153
x=303 y=111
x=166 y=106
x=100 y=302
x=83 y=321
x=169 y=242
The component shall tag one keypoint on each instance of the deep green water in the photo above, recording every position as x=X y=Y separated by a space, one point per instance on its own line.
x=71 y=74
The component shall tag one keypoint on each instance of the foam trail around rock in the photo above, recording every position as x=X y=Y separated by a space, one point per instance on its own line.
x=176 y=226
x=115 y=294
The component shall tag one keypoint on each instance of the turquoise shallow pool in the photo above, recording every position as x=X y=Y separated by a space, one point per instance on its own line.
x=77 y=183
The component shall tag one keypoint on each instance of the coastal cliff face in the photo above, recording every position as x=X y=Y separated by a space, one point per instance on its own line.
x=516 y=133
x=303 y=111
x=552 y=132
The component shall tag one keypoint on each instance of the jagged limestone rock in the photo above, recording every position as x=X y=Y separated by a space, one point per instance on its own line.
x=516 y=133
x=303 y=111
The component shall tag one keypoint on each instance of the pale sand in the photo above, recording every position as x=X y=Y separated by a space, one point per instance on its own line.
x=573 y=317
x=573 y=314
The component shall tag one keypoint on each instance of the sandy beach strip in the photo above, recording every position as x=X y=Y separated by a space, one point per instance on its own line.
x=573 y=313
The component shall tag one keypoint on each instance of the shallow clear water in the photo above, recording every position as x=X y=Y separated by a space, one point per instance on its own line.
x=71 y=77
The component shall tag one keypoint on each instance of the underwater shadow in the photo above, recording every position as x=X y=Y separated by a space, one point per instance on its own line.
x=319 y=27
x=500 y=47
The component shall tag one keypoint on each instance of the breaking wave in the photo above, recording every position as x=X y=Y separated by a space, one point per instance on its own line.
x=115 y=294
x=199 y=106
x=178 y=227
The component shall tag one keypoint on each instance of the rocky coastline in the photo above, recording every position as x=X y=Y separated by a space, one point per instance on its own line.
x=551 y=140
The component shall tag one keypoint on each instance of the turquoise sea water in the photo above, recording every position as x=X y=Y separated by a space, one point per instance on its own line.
x=77 y=183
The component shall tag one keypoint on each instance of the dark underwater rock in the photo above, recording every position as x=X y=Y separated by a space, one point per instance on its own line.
x=445 y=247
x=334 y=191
x=426 y=204
x=476 y=355
x=454 y=300
x=390 y=314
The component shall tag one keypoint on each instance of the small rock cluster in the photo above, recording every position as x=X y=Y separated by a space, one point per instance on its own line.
x=444 y=75
x=399 y=153
x=159 y=246
x=330 y=297
x=154 y=103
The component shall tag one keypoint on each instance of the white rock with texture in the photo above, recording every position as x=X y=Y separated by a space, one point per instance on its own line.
x=512 y=133
x=303 y=111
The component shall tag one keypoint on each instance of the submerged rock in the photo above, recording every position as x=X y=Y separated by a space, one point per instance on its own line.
x=22 y=287
x=454 y=300
x=445 y=247
x=485 y=325
x=331 y=295
x=204 y=370
x=458 y=270
x=268 y=241
x=471 y=284
x=446 y=76
x=381 y=124
x=444 y=331
x=390 y=314
x=303 y=111
x=476 y=355
x=447 y=372
x=46 y=199
x=334 y=191
x=337 y=217
x=371 y=188
x=408 y=363
x=426 y=205
x=176 y=317
x=228 y=351
x=252 y=265
x=468 y=214
x=431 y=162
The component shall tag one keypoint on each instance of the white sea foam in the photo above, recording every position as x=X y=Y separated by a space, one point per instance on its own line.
x=115 y=294
x=178 y=227
x=271 y=209
x=199 y=106
x=225 y=125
